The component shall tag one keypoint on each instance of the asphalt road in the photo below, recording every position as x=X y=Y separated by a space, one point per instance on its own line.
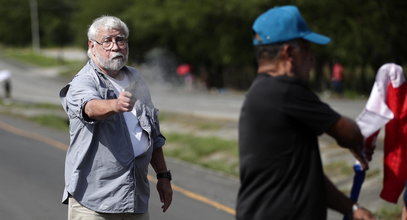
x=31 y=169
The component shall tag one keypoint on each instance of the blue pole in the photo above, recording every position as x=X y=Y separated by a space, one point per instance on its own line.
x=357 y=184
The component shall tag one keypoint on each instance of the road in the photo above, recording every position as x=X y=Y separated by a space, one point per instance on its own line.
x=31 y=170
x=199 y=192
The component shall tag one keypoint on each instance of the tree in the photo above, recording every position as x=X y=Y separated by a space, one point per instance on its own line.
x=215 y=36
x=15 y=22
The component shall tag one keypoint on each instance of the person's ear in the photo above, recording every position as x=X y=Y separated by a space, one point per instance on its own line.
x=91 y=44
x=286 y=52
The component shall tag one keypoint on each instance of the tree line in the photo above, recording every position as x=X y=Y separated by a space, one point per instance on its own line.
x=214 y=36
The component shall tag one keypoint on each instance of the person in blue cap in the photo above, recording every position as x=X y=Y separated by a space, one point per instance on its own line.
x=281 y=171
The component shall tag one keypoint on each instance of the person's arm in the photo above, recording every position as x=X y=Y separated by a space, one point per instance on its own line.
x=340 y=203
x=99 y=109
x=163 y=184
x=347 y=134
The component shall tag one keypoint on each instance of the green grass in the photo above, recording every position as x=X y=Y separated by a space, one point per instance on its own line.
x=210 y=152
x=389 y=212
x=31 y=57
x=42 y=113
x=19 y=105
x=336 y=168
x=52 y=121
x=192 y=121
x=28 y=56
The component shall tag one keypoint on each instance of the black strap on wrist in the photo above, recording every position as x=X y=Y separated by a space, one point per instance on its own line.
x=166 y=175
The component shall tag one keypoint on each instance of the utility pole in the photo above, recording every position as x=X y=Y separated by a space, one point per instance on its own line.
x=35 y=32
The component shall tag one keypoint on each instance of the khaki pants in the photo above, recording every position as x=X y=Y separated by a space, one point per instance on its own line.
x=78 y=212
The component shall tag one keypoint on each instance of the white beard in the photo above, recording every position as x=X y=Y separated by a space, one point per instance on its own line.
x=116 y=62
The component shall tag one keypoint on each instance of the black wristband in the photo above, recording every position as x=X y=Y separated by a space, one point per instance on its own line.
x=166 y=175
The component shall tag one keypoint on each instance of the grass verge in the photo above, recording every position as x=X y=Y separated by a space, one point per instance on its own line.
x=392 y=212
x=28 y=56
x=209 y=152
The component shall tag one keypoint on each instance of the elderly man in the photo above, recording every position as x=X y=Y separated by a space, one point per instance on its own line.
x=114 y=133
x=280 y=165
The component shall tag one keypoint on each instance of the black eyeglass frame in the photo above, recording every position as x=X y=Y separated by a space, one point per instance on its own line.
x=107 y=45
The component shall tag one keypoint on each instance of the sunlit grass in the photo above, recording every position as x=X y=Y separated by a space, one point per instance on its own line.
x=210 y=152
x=29 y=56
x=52 y=121
x=192 y=121
x=338 y=168
x=389 y=212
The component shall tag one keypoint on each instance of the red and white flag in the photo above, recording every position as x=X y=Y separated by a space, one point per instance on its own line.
x=387 y=108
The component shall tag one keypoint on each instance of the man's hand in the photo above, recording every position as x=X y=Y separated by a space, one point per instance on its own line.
x=124 y=102
x=369 y=151
x=165 y=191
x=363 y=214
x=361 y=157
x=100 y=109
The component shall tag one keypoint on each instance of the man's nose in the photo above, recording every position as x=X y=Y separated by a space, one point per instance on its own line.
x=115 y=46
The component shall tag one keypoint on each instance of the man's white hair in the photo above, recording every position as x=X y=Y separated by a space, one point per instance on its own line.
x=106 y=21
x=109 y=22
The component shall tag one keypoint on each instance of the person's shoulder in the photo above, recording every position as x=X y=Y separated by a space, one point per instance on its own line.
x=87 y=73
x=85 y=70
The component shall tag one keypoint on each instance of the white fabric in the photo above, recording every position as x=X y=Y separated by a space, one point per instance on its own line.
x=376 y=113
x=4 y=74
x=138 y=138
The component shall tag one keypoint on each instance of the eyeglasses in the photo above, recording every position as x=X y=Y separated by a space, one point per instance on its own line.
x=108 y=44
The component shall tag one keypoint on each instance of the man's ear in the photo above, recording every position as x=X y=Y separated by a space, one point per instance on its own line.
x=91 y=44
x=286 y=52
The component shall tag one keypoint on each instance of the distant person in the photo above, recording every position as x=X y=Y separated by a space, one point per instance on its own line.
x=114 y=133
x=5 y=78
x=184 y=70
x=337 y=78
x=281 y=171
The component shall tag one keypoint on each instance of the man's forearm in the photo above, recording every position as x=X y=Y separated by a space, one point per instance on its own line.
x=347 y=133
x=336 y=199
x=100 y=109
x=158 y=161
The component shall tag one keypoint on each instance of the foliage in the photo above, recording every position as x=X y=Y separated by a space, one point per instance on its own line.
x=53 y=19
x=215 y=36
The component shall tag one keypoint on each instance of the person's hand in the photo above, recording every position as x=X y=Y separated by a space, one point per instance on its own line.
x=368 y=151
x=363 y=214
x=165 y=191
x=359 y=154
x=124 y=102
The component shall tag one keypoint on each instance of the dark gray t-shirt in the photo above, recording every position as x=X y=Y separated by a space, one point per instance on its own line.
x=280 y=166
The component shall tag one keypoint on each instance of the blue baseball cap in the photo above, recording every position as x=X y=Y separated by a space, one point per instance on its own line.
x=281 y=24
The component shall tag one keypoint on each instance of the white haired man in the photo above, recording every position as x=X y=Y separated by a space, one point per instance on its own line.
x=114 y=133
